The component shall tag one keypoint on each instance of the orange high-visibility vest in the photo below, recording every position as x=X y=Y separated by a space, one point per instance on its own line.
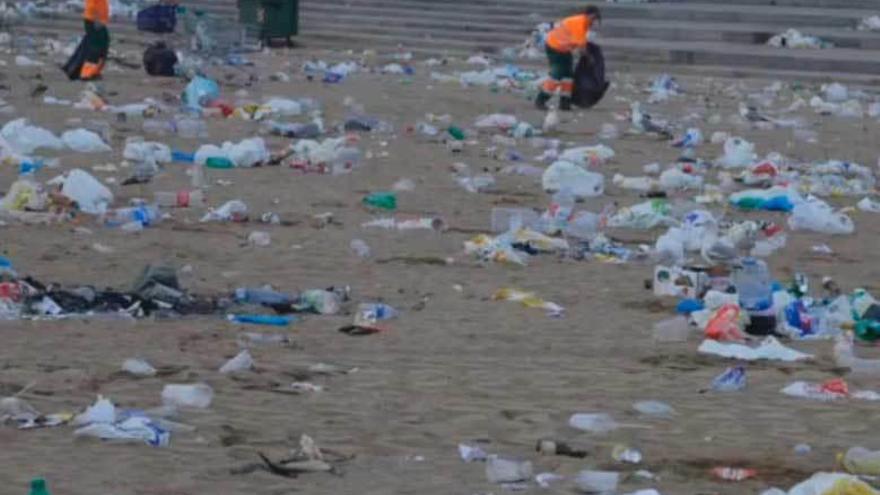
x=97 y=10
x=570 y=34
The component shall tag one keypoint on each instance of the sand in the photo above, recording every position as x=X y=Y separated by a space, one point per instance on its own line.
x=456 y=366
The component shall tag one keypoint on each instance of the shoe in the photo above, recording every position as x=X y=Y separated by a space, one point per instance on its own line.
x=541 y=100
x=565 y=103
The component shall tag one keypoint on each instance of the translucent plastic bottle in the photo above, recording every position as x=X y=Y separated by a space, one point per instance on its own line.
x=145 y=215
x=753 y=285
x=158 y=127
x=180 y=199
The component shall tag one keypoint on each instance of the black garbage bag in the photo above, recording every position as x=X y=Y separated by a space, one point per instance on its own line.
x=589 y=78
x=157 y=19
x=73 y=67
x=159 y=60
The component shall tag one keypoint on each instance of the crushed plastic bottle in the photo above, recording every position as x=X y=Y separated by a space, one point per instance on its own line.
x=197 y=395
x=500 y=470
x=731 y=380
x=360 y=248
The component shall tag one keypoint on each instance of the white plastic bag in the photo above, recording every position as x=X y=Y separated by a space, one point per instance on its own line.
x=581 y=182
x=241 y=362
x=147 y=152
x=84 y=141
x=80 y=186
x=197 y=395
x=25 y=138
x=737 y=153
x=817 y=216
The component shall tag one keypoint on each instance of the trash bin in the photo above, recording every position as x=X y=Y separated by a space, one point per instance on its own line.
x=273 y=19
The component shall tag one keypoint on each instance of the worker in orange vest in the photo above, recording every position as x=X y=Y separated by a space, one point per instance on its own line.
x=97 y=40
x=568 y=36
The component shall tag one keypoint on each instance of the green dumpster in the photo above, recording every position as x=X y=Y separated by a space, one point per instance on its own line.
x=272 y=19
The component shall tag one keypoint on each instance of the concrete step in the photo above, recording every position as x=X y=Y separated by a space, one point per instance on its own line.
x=822 y=4
x=641 y=66
x=632 y=50
x=529 y=12
x=515 y=33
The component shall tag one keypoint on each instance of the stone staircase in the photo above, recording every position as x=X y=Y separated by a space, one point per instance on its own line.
x=725 y=37
x=712 y=36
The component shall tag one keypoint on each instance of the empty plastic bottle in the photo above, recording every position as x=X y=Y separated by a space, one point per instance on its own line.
x=295 y=130
x=360 y=248
x=180 y=199
x=731 y=380
x=381 y=200
x=220 y=162
x=144 y=215
x=456 y=133
x=190 y=128
x=266 y=297
x=273 y=320
x=38 y=487
x=183 y=157
x=158 y=127
x=753 y=285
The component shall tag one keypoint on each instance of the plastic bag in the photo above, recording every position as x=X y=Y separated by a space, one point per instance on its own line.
x=241 y=362
x=247 y=153
x=737 y=153
x=581 y=182
x=588 y=156
x=198 y=395
x=590 y=84
x=84 y=141
x=199 y=92
x=147 y=152
x=26 y=138
x=90 y=195
x=769 y=349
x=817 y=216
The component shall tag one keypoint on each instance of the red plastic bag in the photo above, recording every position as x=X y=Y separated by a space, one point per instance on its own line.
x=724 y=325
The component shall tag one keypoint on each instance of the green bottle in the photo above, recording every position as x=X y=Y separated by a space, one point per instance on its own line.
x=457 y=133
x=38 y=487
x=219 y=162
x=381 y=200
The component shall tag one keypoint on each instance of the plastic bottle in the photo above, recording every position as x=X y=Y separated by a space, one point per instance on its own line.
x=377 y=311
x=29 y=167
x=319 y=301
x=220 y=162
x=197 y=177
x=597 y=481
x=38 y=487
x=265 y=297
x=180 y=199
x=295 y=130
x=197 y=395
x=672 y=330
x=507 y=471
x=862 y=462
x=359 y=248
x=159 y=127
x=183 y=157
x=144 y=215
x=273 y=320
x=753 y=285
x=731 y=380
x=503 y=218
x=426 y=129
x=561 y=209
x=191 y=128
x=381 y=200
x=456 y=133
